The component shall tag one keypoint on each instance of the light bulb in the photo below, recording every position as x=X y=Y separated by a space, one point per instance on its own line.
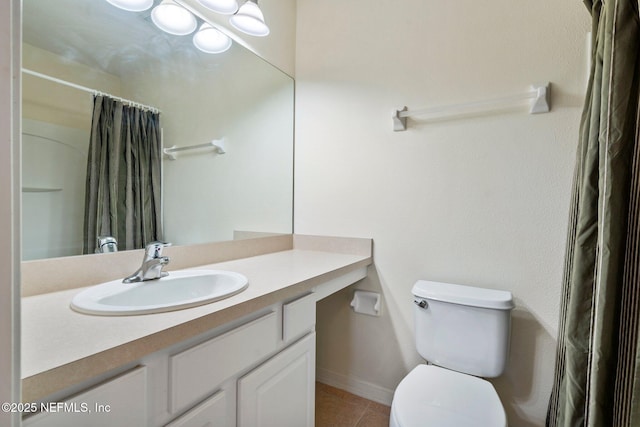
x=250 y=20
x=224 y=7
x=211 y=40
x=173 y=18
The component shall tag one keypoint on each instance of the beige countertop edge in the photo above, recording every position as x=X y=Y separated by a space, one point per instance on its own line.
x=40 y=385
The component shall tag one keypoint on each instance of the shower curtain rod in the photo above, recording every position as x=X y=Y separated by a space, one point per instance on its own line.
x=539 y=94
x=90 y=90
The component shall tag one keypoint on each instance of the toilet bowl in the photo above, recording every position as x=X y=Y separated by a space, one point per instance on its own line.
x=464 y=333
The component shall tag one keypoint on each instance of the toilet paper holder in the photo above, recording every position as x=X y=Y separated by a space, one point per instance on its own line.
x=366 y=302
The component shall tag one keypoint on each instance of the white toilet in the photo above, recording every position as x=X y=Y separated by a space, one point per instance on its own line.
x=463 y=332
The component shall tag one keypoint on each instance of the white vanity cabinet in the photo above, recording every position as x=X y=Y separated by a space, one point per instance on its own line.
x=281 y=391
x=257 y=371
x=262 y=373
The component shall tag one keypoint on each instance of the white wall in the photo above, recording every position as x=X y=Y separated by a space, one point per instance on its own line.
x=9 y=208
x=480 y=201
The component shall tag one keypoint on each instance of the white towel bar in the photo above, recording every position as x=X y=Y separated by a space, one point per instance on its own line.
x=540 y=96
x=218 y=144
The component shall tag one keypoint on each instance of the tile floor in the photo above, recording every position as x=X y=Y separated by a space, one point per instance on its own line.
x=338 y=408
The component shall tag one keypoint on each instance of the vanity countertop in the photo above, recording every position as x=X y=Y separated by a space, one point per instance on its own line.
x=61 y=348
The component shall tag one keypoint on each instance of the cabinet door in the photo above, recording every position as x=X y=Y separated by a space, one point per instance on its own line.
x=210 y=413
x=280 y=392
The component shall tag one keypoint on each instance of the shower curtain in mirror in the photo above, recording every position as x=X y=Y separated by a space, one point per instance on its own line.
x=597 y=375
x=123 y=192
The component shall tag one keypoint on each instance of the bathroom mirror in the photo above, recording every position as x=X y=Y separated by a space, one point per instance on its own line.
x=234 y=96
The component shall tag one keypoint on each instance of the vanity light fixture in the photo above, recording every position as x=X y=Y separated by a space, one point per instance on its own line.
x=211 y=40
x=223 y=7
x=250 y=20
x=132 y=5
x=173 y=18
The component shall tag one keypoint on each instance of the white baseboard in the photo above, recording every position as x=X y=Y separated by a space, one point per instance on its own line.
x=355 y=386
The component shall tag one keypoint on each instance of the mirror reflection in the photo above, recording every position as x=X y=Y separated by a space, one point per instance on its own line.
x=74 y=50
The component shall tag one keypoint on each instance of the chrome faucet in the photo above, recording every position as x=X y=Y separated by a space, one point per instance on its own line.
x=106 y=244
x=151 y=268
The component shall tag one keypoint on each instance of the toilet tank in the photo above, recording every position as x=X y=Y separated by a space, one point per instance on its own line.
x=463 y=328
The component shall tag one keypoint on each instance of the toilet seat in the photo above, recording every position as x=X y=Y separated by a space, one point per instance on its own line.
x=434 y=396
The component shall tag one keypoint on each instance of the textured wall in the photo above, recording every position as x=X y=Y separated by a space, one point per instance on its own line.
x=477 y=200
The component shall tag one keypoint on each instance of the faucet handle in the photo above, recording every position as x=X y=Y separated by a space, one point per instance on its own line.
x=154 y=249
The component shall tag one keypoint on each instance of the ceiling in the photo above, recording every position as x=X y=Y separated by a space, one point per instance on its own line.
x=99 y=35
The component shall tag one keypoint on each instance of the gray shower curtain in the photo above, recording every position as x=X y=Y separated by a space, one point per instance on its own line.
x=123 y=195
x=597 y=375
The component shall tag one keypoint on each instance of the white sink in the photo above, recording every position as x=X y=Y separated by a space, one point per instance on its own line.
x=178 y=290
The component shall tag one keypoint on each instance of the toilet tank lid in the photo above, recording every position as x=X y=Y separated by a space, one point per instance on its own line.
x=463 y=295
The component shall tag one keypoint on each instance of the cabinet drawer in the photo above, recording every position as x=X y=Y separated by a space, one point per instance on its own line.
x=199 y=370
x=119 y=402
x=298 y=317
x=210 y=413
